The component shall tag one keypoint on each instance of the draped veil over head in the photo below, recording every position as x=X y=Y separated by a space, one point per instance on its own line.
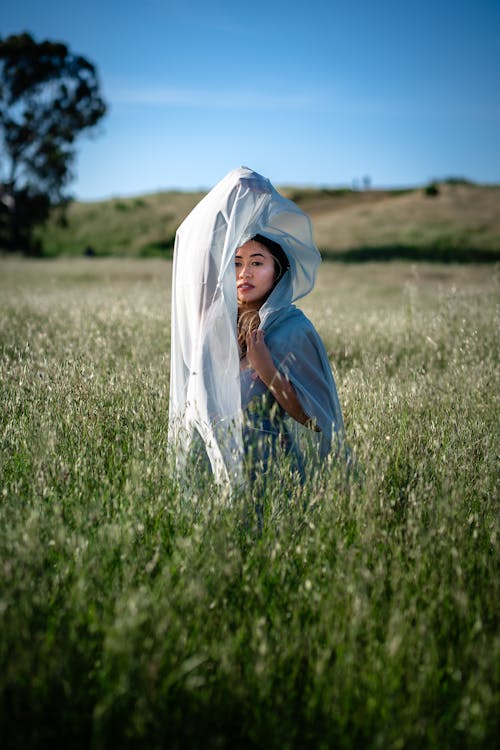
x=205 y=373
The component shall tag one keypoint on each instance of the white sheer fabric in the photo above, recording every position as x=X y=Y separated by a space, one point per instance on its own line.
x=205 y=373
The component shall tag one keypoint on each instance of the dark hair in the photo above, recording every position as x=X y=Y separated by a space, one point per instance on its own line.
x=281 y=262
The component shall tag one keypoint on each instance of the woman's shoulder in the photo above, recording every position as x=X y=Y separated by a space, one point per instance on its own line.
x=293 y=322
x=295 y=332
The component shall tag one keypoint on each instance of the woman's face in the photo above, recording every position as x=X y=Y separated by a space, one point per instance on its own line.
x=255 y=274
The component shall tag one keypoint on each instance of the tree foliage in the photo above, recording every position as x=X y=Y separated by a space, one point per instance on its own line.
x=48 y=96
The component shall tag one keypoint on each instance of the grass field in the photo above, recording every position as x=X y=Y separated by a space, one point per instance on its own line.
x=137 y=612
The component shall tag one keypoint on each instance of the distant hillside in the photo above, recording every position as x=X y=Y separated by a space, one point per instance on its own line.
x=144 y=225
x=452 y=221
x=460 y=222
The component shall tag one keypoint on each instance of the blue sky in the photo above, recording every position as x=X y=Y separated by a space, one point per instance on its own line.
x=307 y=93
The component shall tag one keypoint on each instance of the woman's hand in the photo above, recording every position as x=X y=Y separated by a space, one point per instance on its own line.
x=260 y=359
x=259 y=356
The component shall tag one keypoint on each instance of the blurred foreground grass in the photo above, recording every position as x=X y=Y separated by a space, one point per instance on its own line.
x=137 y=613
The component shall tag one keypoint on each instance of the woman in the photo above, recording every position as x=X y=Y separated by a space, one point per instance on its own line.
x=249 y=374
x=267 y=396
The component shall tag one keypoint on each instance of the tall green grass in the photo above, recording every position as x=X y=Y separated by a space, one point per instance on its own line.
x=137 y=611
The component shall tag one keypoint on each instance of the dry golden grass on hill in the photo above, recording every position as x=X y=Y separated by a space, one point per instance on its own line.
x=459 y=215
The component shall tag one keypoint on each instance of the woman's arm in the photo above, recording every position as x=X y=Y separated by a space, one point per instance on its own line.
x=260 y=359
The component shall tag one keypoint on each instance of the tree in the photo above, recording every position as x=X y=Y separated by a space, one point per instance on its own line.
x=48 y=96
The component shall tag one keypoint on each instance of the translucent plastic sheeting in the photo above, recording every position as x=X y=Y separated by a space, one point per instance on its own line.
x=205 y=398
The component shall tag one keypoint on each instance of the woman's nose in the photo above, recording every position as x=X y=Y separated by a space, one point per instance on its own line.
x=245 y=271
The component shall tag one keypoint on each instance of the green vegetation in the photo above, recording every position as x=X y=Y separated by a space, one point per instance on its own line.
x=460 y=223
x=141 y=226
x=431 y=190
x=137 y=611
x=48 y=96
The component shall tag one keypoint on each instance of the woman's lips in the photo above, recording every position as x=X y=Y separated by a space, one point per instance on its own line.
x=245 y=287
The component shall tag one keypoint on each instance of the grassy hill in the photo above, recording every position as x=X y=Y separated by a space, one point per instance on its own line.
x=455 y=221
x=143 y=225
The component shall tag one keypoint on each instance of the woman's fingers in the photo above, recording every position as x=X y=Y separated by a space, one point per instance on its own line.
x=254 y=337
